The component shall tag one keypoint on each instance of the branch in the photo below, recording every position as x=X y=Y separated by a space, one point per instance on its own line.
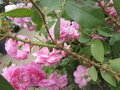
x=43 y=17
x=32 y=42
x=66 y=50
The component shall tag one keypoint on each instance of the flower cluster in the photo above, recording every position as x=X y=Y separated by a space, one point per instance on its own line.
x=55 y=82
x=25 y=22
x=82 y=76
x=47 y=58
x=68 y=30
x=24 y=76
x=17 y=49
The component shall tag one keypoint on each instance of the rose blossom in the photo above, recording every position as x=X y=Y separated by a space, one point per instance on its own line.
x=25 y=22
x=17 y=76
x=81 y=76
x=44 y=56
x=55 y=82
x=68 y=30
x=19 y=50
x=24 y=76
x=36 y=73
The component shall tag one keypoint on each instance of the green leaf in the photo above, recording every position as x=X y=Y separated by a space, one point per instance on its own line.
x=88 y=17
x=117 y=5
x=115 y=38
x=93 y=73
x=57 y=30
x=19 y=12
x=37 y=19
x=105 y=32
x=97 y=50
x=115 y=64
x=84 y=38
x=4 y=84
x=51 y=5
x=108 y=77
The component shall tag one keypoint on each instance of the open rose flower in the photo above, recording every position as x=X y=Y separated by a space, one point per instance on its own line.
x=68 y=30
x=82 y=76
x=47 y=58
x=24 y=76
x=54 y=82
x=17 y=49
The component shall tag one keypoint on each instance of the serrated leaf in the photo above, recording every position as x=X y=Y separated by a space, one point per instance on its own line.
x=114 y=39
x=115 y=64
x=19 y=12
x=51 y=5
x=97 y=50
x=87 y=17
x=93 y=73
x=117 y=5
x=108 y=77
x=57 y=30
x=4 y=84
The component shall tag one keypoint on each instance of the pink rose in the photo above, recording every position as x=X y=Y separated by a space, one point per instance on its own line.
x=17 y=49
x=55 y=82
x=44 y=56
x=68 y=30
x=82 y=76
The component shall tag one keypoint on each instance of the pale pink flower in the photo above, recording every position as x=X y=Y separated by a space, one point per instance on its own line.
x=44 y=56
x=99 y=37
x=82 y=76
x=55 y=82
x=17 y=49
x=68 y=30
x=25 y=22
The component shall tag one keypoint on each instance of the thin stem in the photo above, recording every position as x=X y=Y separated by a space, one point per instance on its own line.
x=32 y=42
x=43 y=17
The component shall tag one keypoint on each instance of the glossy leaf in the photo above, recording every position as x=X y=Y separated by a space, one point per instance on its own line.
x=50 y=5
x=37 y=19
x=19 y=12
x=4 y=84
x=108 y=77
x=57 y=30
x=115 y=64
x=88 y=17
x=97 y=50
x=93 y=73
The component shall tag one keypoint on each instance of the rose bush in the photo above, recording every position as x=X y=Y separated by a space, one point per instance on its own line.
x=80 y=50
